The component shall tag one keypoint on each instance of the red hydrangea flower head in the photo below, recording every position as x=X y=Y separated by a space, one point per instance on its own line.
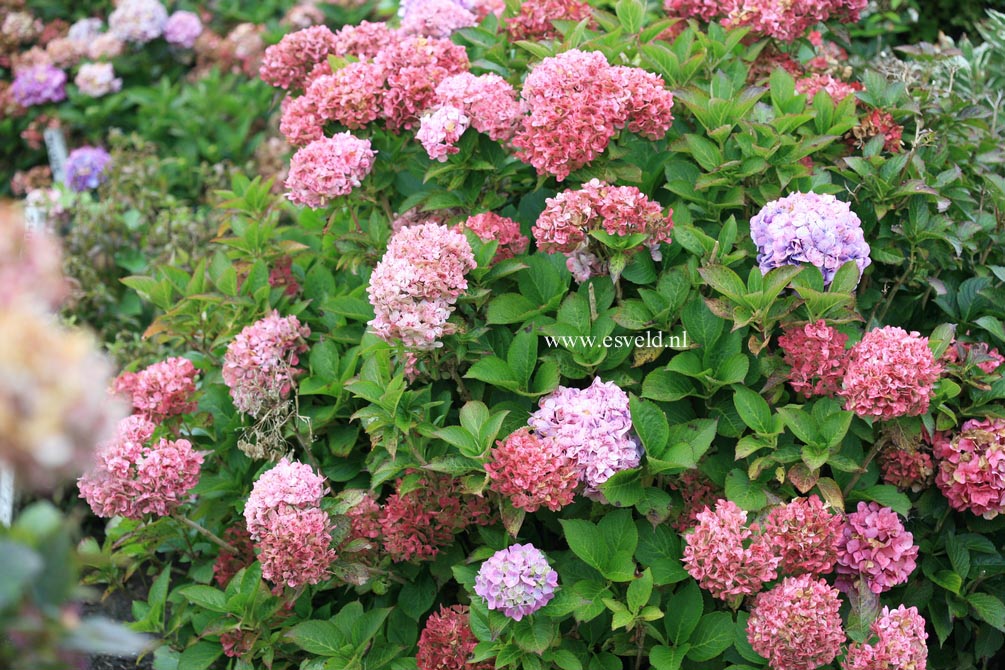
x=162 y=390
x=805 y=534
x=817 y=358
x=532 y=472
x=971 y=467
x=876 y=548
x=906 y=468
x=490 y=226
x=287 y=64
x=797 y=624
x=447 y=642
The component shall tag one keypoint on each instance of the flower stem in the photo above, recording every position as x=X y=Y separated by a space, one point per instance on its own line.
x=229 y=548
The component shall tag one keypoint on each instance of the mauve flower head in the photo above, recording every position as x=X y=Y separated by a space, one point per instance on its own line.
x=876 y=548
x=97 y=79
x=446 y=641
x=532 y=472
x=436 y=18
x=138 y=21
x=260 y=364
x=85 y=30
x=487 y=99
x=517 y=580
x=907 y=468
x=287 y=64
x=817 y=358
x=134 y=476
x=727 y=558
x=303 y=16
x=490 y=226
x=161 y=390
x=594 y=428
x=86 y=168
x=805 y=534
x=838 y=90
x=105 y=45
x=416 y=283
x=897 y=642
x=890 y=373
x=797 y=624
x=971 y=467
x=535 y=20
x=182 y=29
x=440 y=130
x=809 y=228
x=38 y=85
x=328 y=168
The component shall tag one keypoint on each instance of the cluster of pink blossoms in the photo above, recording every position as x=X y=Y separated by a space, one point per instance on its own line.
x=489 y=226
x=985 y=357
x=436 y=18
x=447 y=642
x=440 y=130
x=260 y=364
x=890 y=373
x=414 y=287
x=162 y=390
x=726 y=557
x=134 y=477
x=797 y=624
x=877 y=123
x=785 y=20
x=899 y=643
x=805 y=534
x=971 y=467
x=906 y=468
x=817 y=358
x=288 y=63
x=535 y=20
x=698 y=492
x=593 y=427
x=532 y=472
x=291 y=531
x=517 y=580
x=876 y=548
x=577 y=102
x=328 y=168
x=838 y=90
x=568 y=219
x=488 y=100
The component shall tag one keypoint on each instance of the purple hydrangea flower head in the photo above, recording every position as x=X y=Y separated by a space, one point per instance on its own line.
x=517 y=580
x=593 y=426
x=809 y=228
x=85 y=168
x=138 y=21
x=38 y=85
x=85 y=30
x=182 y=29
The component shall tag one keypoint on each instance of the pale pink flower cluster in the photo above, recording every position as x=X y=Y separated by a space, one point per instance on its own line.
x=301 y=123
x=785 y=20
x=440 y=130
x=97 y=79
x=971 y=467
x=805 y=534
x=161 y=390
x=577 y=102
x=728 y=559
x=287 y=64
x=135 y=476
x=291 y=531
x=838 y=90
x=487 y=99
x=489 y=226
x=817 y=357
x=30 y=268
x=899 y=642
x=797 y=624
x=260 y=364
x=328 y=168
x=535 y=20
x=182 y=29
x=876 y=548
x=414 y=287
x=532 y=472
x=436 y=18
x=138 y=21
x=593 y=426
x=890 y=373
x=364 y=40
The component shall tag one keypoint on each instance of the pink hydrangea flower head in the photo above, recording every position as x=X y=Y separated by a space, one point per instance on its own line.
x=38 y=85
x=490 y=226
x=726 y=557
x=97 y=79
x=805 y=534
x=788 y=20
x=876 y=548
x=105 y=45
x=698 y=492
x=364 y=526
x=414 y=287
x=138 y=21
x=446 y=642
x=488 y=100
x=890 y=373
x=328 y=168
x=436 y=18
x=291 y=531
x=85 y=30
x=351 y=96
x=161 y=390
x=706 y=10
x=909 y=469
x=838 y=90
x=971 y=467
x=593 y=426
x=817 y=358
x=182 y=29
x=301 y=123
x=260 y=364
x=535 y=20
x=134 y=477
x=532 y=472
x=897 y=641
x=878 y=123
x=227 y=564
x=287 y=64
x=797 y=624
x=441 y=130
x=31 y=268
x=650 y=104
x=517 y=580
x=809 y=228
x=364 y=40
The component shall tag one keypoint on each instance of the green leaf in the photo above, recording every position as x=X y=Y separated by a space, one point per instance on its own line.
x=639 y=591
x=323 y=638
x=667 y=658
x=495 y=371
x=650 y=425
x=753 y=409
x=205 y=597
x=510 y=308
x=624 y=488
x=683 y=612
x=725 y=281
x=885 y=495
x=801 y=423
x=522 y=357
x=712 y=636
x=199 y=656
x=608 y=547
x=989 y=608
x=706 y=153
x=660 y=549
x=745 y=493
x=18 y=565
x=701 y=325
x=959 y=555
x=630 y=13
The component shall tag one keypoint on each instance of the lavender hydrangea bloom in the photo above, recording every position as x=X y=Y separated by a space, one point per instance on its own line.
x=85 y=168
x=85 y=30
x=809 y=228
x=182 y=29
x=138 y=21
x=593 y=427
x=38 y=85
x=517 y=580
